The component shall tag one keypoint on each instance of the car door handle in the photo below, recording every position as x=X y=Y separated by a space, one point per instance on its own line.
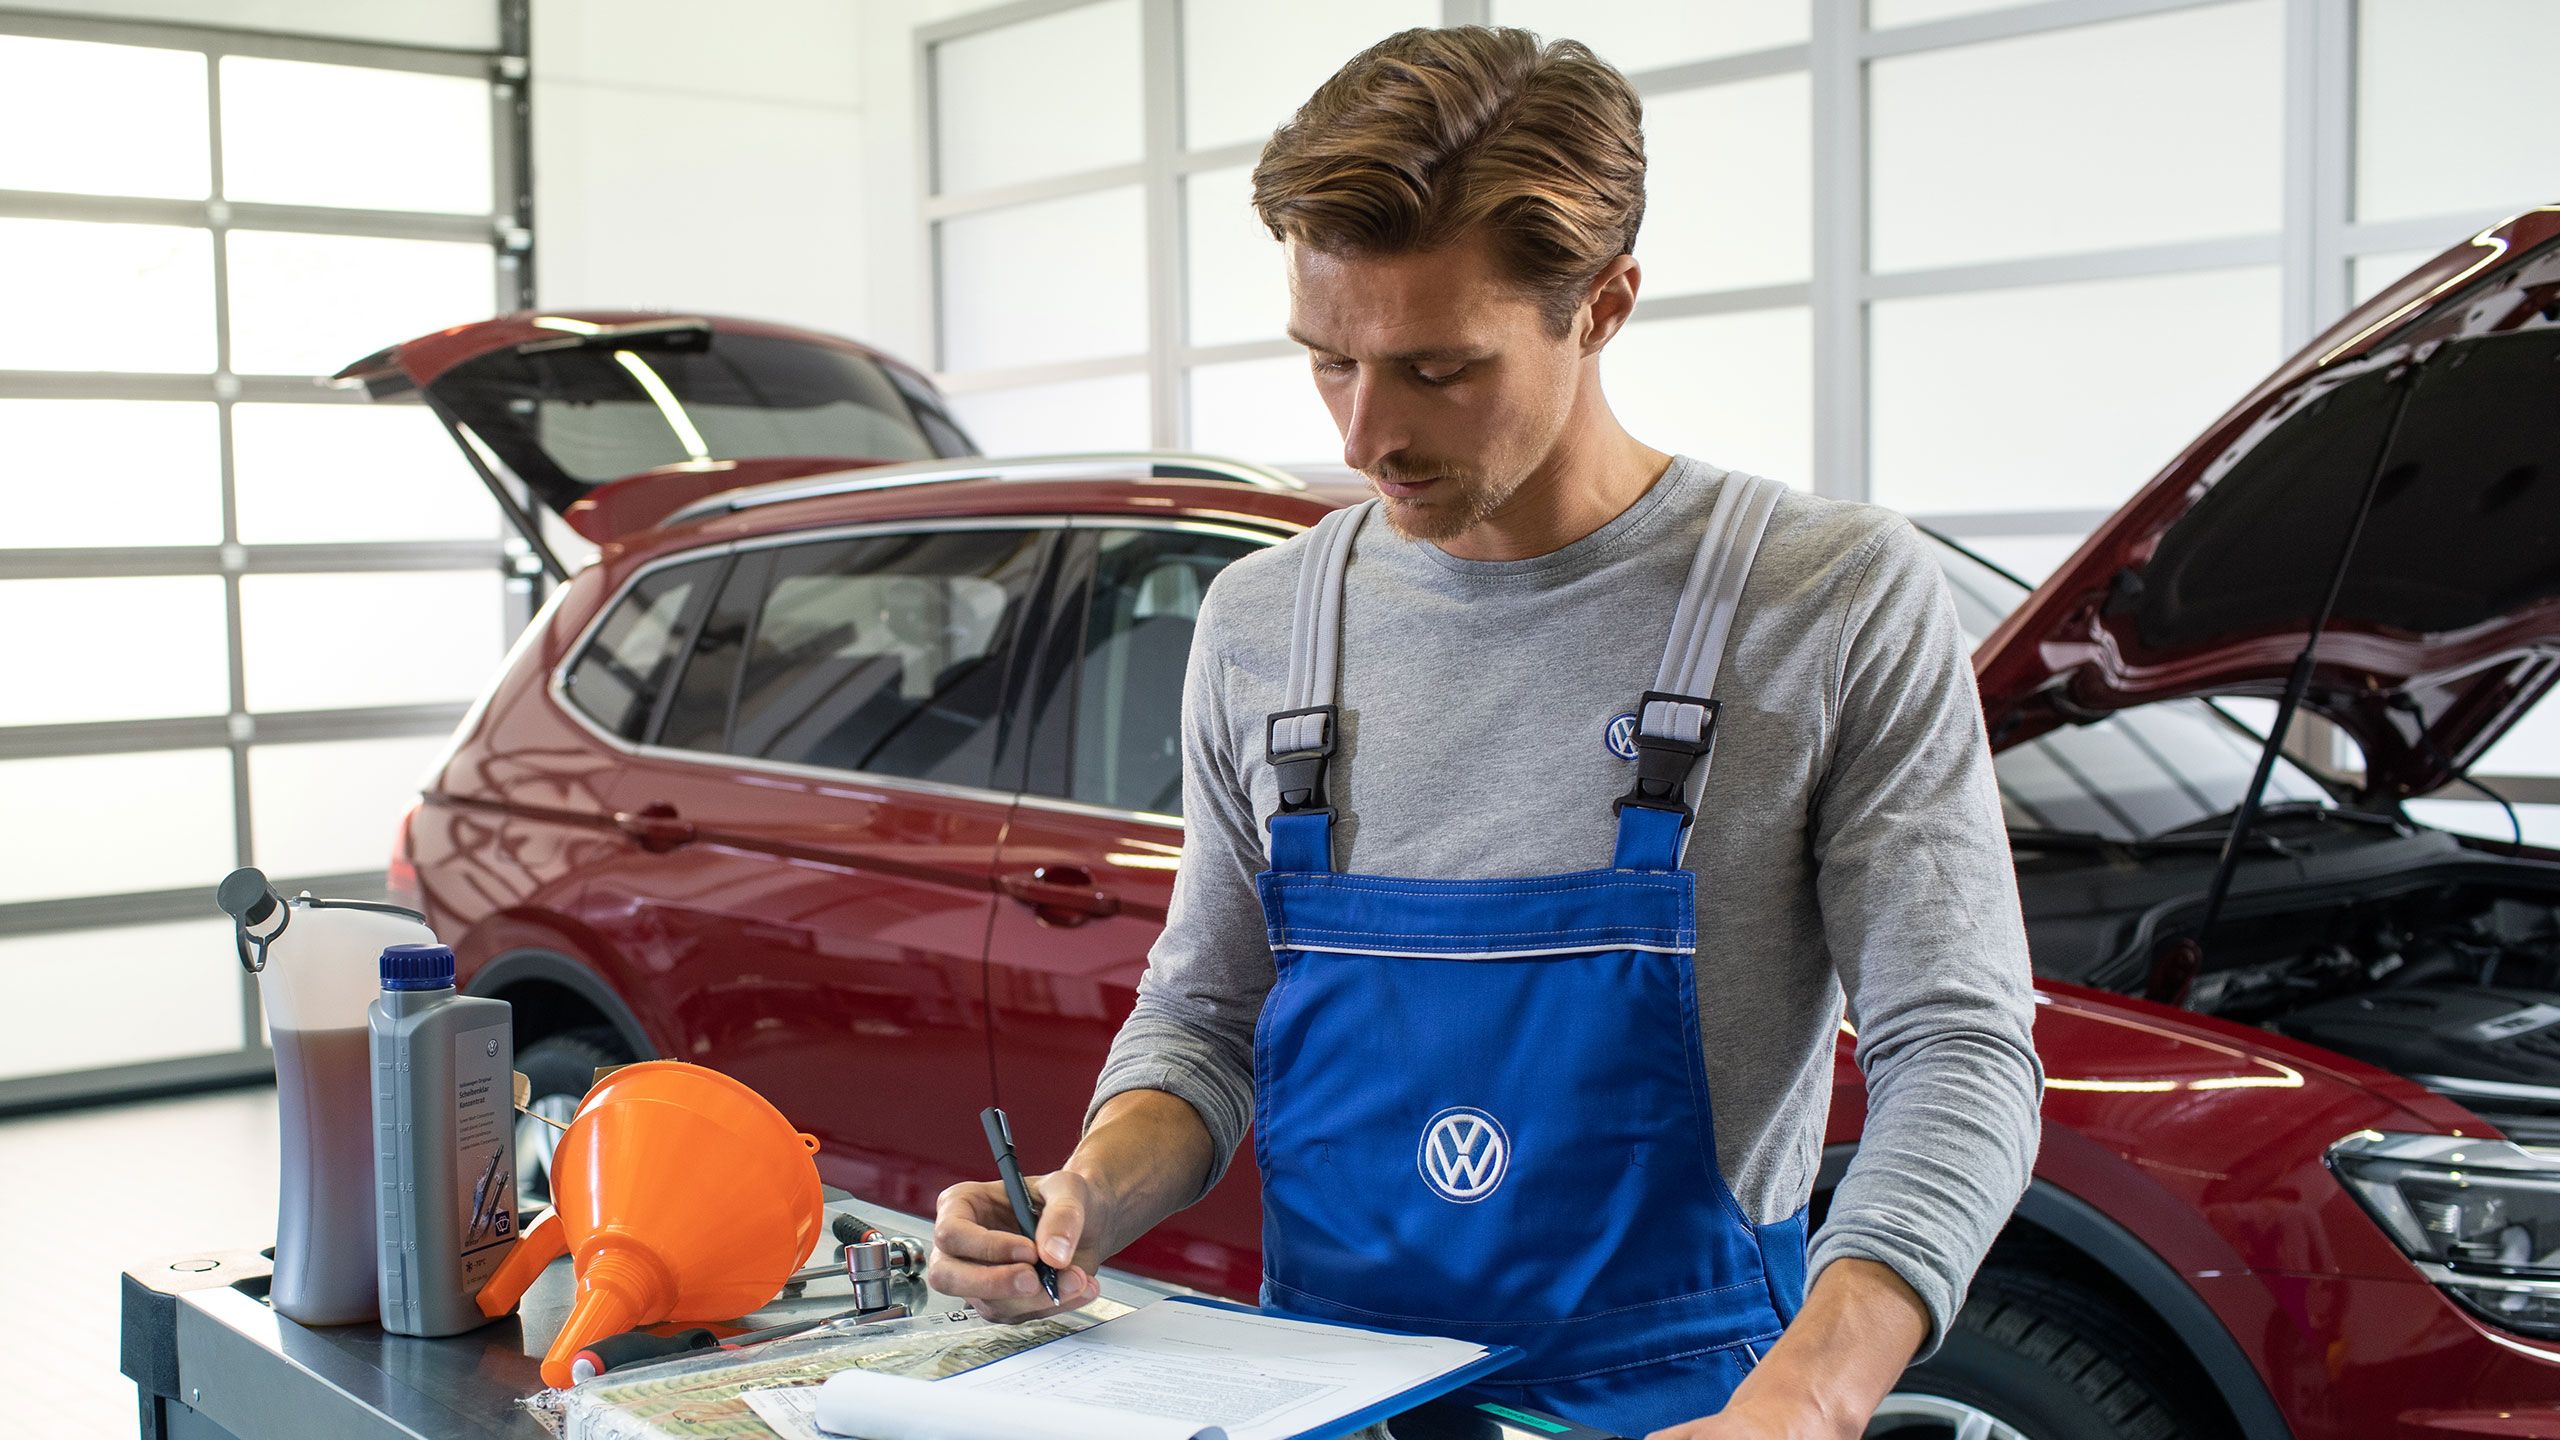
x=1062 y=894
x=656 y=826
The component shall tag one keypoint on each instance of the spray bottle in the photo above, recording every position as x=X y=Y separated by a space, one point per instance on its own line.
x=316 y=966
x=445 y=1154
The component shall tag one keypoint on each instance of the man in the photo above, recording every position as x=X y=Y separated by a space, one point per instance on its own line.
x=1565 y=1110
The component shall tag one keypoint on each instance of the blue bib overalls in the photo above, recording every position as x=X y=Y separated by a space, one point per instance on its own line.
x=1480 y=1106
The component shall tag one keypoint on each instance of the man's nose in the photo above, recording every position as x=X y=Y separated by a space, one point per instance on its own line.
x=1374 y=428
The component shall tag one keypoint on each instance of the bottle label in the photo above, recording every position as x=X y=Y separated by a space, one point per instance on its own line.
x=484 y=1137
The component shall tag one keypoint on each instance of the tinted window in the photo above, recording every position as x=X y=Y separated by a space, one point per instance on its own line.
x=1147 y=584
x=699 y=710
x=619 y=676
x=886 y=653
x=567 y=419
x=2133 y=774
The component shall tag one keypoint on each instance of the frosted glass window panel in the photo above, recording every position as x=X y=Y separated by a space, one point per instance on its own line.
x=1733 y=390
x=1059 y=280
x=1728 y=187
x=1266 y=411
x=2453 y=107
x=112 y=119
x=110 y=472
x=134 y=648
x=1237 y=275
x=309 y=304
x=2370 y=275
x=120 y=996
x=1884 y=14
x=111 y=297
x=1247 y=68
x=2058 y=397
x=291 y=136
x=1043 y=97
x=2029 y=557
x=321 y=642
x=311 y=474
x=1637 y=35
x=2134 y=132
x=2464 y=816
x=330 y=808
x=157 y=820
x=1107 y=413
x=2530 y=747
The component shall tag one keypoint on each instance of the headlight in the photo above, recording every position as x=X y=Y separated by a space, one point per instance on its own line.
x=2481 y=1218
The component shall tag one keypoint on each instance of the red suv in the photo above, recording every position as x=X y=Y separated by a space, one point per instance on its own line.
x=859 y=781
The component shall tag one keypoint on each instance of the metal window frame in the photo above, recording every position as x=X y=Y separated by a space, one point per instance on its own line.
x=506 y=228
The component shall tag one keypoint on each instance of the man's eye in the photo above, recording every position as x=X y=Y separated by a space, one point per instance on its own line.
x=1333 y=367
x=1442 y=377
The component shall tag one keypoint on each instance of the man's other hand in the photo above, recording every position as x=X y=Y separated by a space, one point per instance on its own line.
x=980 y=1257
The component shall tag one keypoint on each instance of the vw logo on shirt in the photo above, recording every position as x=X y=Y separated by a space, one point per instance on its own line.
x=1622 y=737
x=1464 y=1154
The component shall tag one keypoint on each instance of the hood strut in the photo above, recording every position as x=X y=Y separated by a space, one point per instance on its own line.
x=2175 y=967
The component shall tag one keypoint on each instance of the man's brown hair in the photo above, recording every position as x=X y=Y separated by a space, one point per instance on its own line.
x=1428 y=134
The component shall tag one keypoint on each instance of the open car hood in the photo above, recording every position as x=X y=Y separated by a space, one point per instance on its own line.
x=2448 y=623
x=617 y=419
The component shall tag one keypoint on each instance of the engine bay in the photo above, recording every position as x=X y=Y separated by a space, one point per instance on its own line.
x=2446 y=971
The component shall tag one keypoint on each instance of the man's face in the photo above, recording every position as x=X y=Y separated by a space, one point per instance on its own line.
x=1441 y=376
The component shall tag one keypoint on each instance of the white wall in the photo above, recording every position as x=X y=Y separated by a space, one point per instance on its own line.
x=698 y=157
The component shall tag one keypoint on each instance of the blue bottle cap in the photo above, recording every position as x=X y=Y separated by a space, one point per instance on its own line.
x=417 y=967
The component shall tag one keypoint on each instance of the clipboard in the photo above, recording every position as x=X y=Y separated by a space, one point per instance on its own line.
x=1493 y=1359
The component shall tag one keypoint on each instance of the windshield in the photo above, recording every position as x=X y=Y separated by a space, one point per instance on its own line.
x=2132 y=775
x=567 y=420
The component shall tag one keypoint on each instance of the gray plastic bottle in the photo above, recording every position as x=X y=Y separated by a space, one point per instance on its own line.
x=444 y=1155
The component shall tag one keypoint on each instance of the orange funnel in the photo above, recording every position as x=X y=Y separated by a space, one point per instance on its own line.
x=682 y=1194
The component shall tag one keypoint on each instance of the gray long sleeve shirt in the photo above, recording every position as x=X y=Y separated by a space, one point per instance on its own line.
x=1849 y=841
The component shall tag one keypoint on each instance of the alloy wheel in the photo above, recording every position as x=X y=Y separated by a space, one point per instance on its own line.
x=1908 y=1415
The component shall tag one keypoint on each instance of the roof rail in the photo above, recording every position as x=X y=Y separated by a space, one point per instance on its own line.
x=1105 y=465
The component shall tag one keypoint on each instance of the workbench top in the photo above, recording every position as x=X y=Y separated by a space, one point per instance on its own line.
x=210 y=1359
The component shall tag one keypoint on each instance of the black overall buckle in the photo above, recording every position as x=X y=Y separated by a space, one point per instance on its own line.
x=1663 y=765
x=1301 y=771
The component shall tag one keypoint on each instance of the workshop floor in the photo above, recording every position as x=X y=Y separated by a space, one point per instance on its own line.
x=86 y=1193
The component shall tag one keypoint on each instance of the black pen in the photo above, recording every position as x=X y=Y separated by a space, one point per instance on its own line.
x=1000 y=1140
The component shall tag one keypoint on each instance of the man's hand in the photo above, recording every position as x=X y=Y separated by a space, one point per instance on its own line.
x=1764 y=1416
x=1832 y=1367
x=980 y=1257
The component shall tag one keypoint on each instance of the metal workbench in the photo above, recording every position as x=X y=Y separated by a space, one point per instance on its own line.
x=211 y=1361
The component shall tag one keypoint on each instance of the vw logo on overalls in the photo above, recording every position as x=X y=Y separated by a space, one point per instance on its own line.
x=1622 y=737
x=1464 y=1154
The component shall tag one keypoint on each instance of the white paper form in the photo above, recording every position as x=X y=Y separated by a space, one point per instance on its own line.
x=1258 y=1377
x=864 y=1405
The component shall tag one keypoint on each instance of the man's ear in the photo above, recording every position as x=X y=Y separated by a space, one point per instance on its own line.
x=1608 y=303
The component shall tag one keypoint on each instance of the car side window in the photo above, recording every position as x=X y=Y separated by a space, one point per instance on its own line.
x=1145 y=603
x=698 y=710
x=625 y=667
x=886 y=653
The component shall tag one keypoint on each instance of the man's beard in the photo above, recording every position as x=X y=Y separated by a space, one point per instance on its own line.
x=1453 y=505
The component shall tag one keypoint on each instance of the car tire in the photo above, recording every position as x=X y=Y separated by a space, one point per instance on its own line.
x=558 y=1069
x=2035 y=1358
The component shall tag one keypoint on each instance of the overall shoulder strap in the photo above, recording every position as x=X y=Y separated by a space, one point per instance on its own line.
x=1299 y=737
x=1676 y=720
